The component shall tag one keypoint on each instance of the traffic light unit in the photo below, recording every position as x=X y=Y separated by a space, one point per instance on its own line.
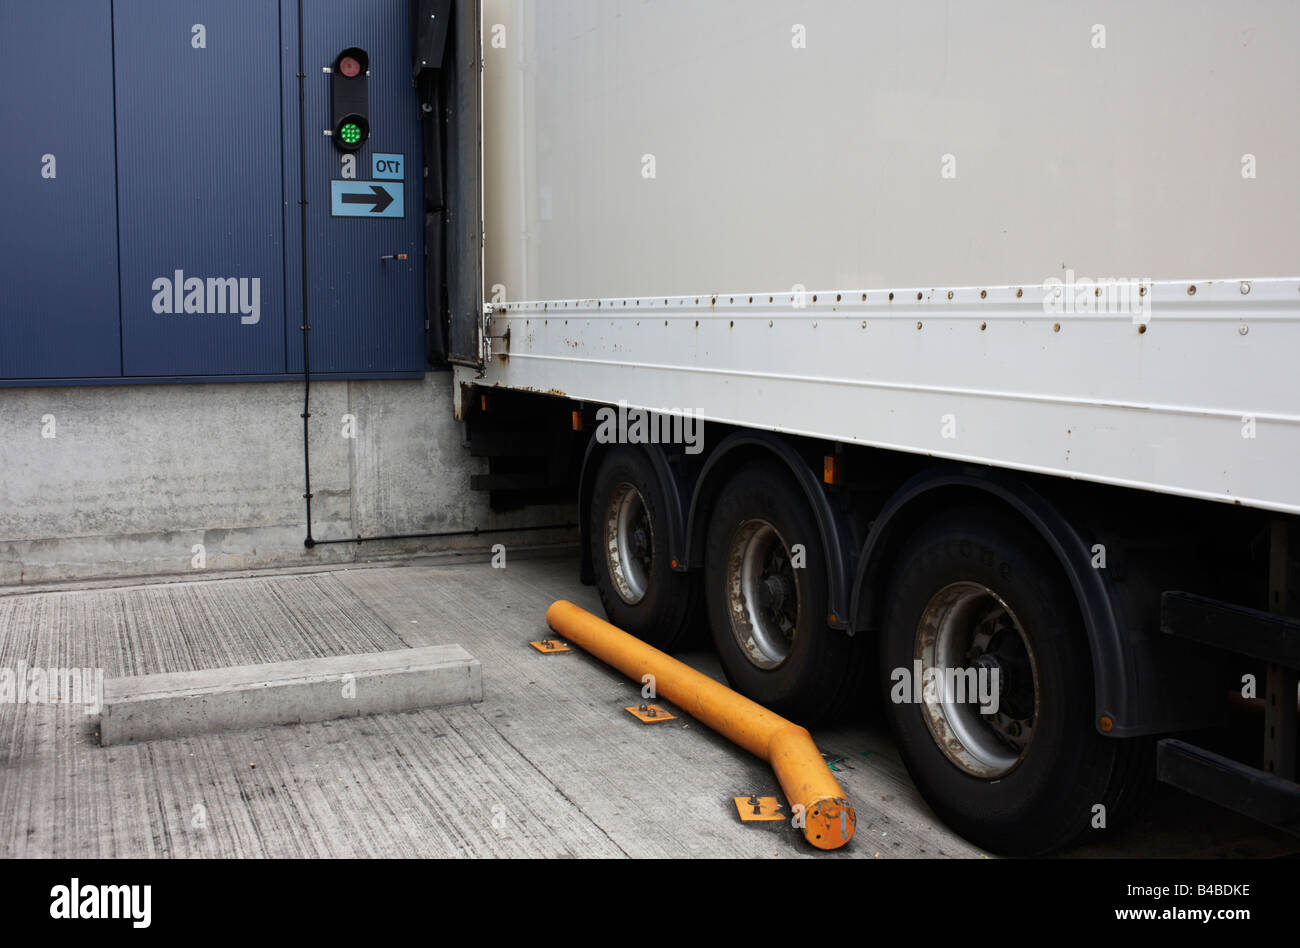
x=351 y=128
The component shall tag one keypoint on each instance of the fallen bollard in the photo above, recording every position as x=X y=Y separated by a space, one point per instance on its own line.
x=810 y=789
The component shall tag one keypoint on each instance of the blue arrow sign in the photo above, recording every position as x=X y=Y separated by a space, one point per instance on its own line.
x=367 y=199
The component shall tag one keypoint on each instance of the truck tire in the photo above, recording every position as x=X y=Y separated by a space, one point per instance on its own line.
x=976 y=589
x=628 y=532
x=767 y=615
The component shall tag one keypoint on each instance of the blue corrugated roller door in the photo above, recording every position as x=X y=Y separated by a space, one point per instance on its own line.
x=150 y=187
x=366 y=312
x=200 y=186
x=58 y=241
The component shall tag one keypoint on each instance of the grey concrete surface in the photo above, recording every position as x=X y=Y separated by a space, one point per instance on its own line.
x=548 y=765
x=213 y=701
x=135 y=478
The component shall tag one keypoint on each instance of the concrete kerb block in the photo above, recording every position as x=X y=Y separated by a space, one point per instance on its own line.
x=183 y=704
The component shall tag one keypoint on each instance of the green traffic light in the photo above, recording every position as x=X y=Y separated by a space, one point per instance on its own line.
x=350 y=133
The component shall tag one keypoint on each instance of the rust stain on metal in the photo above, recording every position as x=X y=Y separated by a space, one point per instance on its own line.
x=540 y=391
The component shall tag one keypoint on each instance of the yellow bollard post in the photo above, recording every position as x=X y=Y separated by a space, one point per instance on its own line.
x=829 y=820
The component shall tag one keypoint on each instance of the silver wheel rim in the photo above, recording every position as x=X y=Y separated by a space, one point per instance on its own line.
x=762 y=594
x=629 y=543
x=968 y=626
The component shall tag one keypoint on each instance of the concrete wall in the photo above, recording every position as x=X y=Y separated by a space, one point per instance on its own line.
x=134 y=477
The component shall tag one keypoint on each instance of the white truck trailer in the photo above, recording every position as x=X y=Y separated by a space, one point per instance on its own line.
x=975 y=330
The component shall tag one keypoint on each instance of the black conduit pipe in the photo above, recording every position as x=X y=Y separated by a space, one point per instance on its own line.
x=306 y=323
x=311 y=542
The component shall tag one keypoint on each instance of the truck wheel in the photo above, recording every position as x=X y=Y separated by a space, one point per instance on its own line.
x=767 y=612
x=975 y=590
x=638 y=587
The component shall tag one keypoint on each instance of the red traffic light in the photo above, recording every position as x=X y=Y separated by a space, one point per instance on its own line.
x=352 y=62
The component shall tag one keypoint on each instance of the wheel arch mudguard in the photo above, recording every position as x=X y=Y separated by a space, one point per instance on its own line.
x=676 y=490
x=1116 y=691
x=833 y=524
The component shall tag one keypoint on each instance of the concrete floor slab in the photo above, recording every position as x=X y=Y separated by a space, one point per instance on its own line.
x=548 y=765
